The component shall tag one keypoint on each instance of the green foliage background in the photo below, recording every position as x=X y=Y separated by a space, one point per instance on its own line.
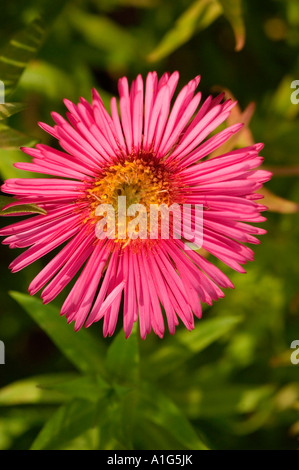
x=229 y=384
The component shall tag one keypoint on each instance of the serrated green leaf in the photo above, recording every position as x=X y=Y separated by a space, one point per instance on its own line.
x=159 y=409
x=8 y=109
x=186 y=344
x=15 y=56
x=68 y=422
x=10 y=139
x=81 y=349
x=123 y=358
x=196 y=18
x=30 y=208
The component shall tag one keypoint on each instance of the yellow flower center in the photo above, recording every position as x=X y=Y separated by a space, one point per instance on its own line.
x=141 y=179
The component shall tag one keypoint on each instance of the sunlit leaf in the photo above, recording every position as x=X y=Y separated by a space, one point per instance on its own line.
x=85 y=352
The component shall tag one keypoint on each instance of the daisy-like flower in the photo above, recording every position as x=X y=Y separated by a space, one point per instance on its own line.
x=152 y=152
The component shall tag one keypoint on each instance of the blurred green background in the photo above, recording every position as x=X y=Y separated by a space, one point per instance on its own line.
x=230 y=383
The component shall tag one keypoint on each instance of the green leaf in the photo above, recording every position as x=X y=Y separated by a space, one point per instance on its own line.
x=232 y=10
x=123 y=357
x=87 y=387
x=30 y=208
x=85 y=352
x=186 y=344
x=68 y=422
x=196 y=18
x=8 y=109
x=53 y=388
x=114 y=419
x=88 y=440
x=116 y=44
x=159 y=409
x=10 y=139
x=220 y=399
x=31 y=390
x=15 y=56
x=123 y=365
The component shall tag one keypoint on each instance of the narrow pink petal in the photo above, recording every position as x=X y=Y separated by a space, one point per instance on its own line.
x=40 y=249
x=111 y=268
x=69 y=269
x=56 y=263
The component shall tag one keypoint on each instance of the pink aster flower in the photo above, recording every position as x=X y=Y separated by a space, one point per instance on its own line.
x=151 y=152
